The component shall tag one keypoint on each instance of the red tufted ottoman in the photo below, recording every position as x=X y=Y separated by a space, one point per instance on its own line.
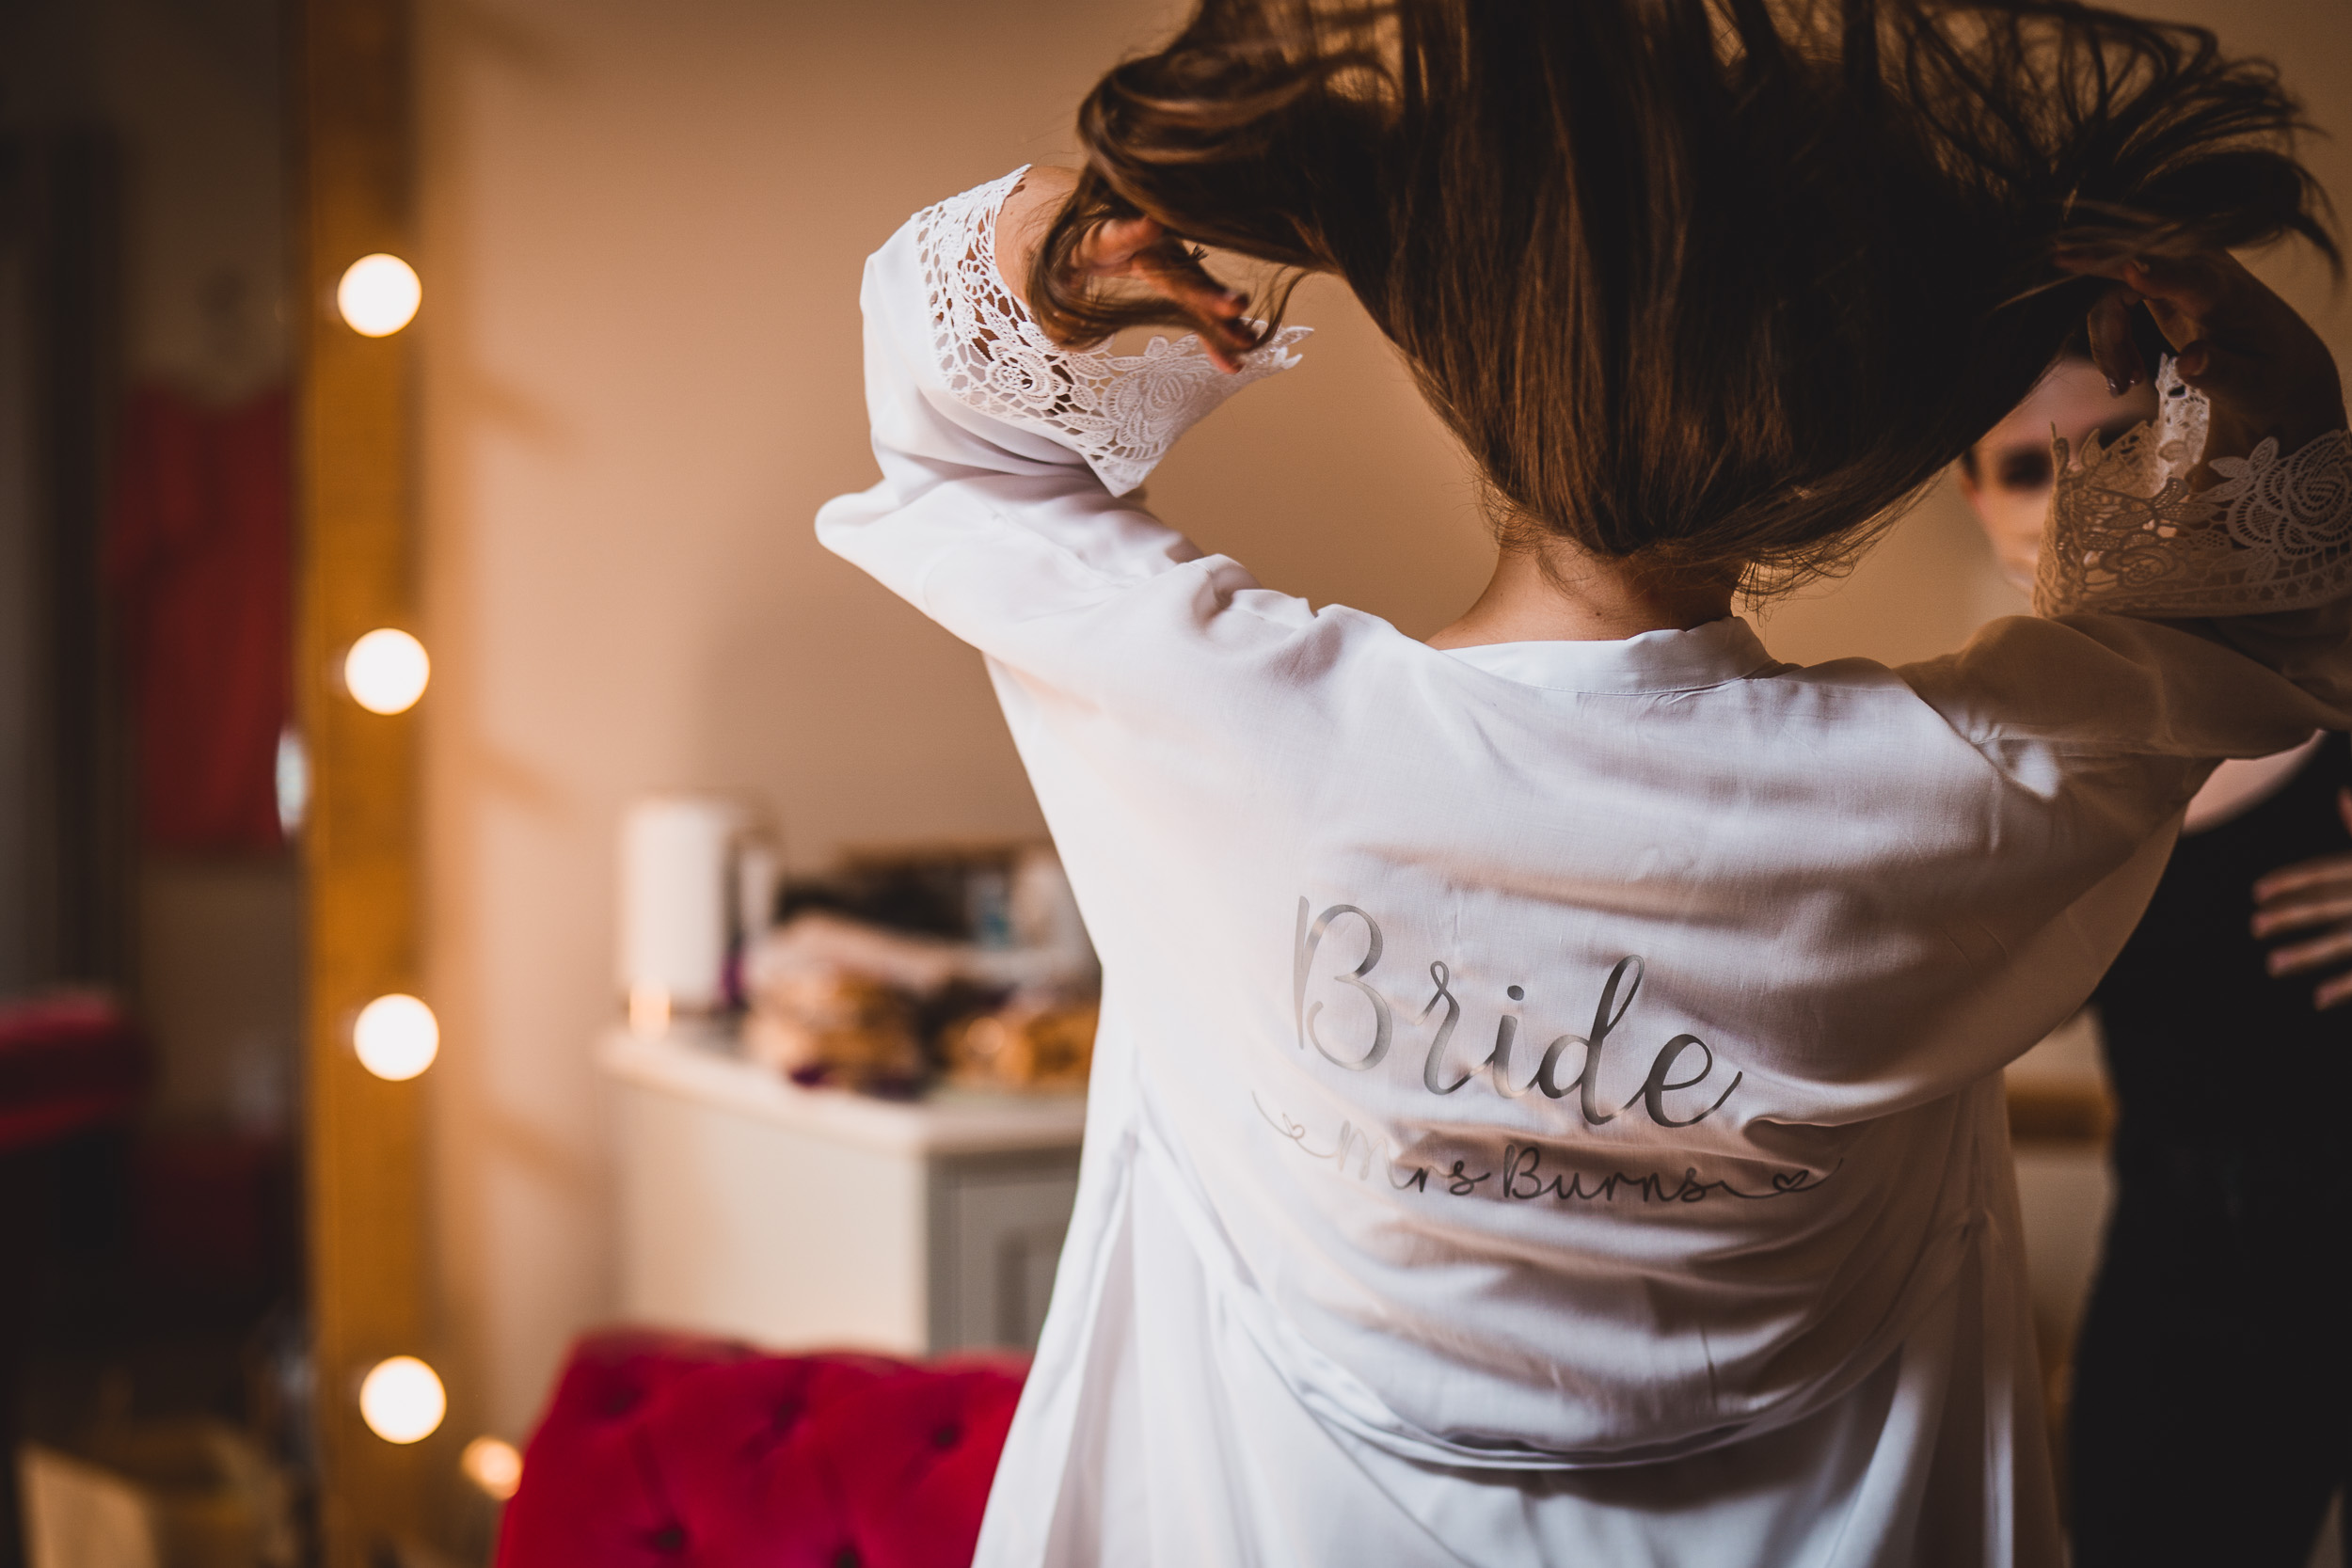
x=662 y=1451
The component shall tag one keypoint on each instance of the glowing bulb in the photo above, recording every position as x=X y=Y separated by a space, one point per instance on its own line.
x=396 y=1037
x=378 y=295
x=492 y=1464
x=386 y=670
x=401 y=1399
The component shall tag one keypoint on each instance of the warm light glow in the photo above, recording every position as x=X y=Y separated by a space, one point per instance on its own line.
x=648 y=1010
x=378 y=296
x=401 y=1399
x=396 y=1037
x=492 y=1464
x=386 y=670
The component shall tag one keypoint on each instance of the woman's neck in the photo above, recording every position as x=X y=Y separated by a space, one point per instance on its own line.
x=1557 y=592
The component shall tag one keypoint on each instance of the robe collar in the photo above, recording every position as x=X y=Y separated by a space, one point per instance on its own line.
x=1708 y=654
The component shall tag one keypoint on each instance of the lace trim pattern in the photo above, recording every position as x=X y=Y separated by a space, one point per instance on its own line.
x=2128 y=536
x=1121 y=412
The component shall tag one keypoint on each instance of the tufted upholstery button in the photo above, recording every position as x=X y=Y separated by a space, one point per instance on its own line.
x=654 y=1441
x=614 y=1391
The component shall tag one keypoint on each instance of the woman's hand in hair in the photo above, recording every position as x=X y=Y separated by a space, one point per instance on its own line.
x=2265 y=369
x=1135 y=250
x=2313 y=898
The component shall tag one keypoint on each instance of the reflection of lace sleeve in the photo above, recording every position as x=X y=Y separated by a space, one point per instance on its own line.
x=1121 y=412
x=2127 y=537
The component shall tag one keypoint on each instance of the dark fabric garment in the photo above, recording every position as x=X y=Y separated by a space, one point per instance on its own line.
x=2212 y=1412
x=2205 y=1048
x=200 y=559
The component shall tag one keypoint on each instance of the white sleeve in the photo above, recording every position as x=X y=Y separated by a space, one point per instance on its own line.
x=2128 y=536
x=2176 y=626
x=1004 y=456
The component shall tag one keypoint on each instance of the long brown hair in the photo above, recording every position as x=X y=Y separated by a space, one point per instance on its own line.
x=1714 y=283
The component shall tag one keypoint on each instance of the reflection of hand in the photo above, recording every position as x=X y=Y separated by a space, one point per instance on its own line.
x=2312 y=893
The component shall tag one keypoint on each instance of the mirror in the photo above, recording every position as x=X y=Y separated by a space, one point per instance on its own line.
x=211 y=1347
x=151 y=903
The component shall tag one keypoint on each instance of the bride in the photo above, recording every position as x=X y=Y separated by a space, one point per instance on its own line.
x=1547 y=1107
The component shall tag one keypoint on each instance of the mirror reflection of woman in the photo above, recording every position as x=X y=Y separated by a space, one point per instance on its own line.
x=2208 y=1397
x=1548 y=1104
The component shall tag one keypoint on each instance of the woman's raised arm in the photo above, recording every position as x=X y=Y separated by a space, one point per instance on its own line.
x=1004 y=456
x=2195 y=576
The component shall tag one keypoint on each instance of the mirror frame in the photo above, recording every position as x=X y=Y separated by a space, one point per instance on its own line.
x=369 y=1272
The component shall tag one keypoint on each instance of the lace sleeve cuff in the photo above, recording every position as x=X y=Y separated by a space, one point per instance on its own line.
x=2127 y=535
x=1119 y=412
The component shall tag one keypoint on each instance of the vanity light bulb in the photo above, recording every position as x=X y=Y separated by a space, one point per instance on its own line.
x=386 y=670
x=401 y=1399
x=492 y=1465
x=396 y=1037
x=378 y=295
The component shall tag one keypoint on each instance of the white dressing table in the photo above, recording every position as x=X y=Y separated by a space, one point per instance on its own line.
x=804 y=1218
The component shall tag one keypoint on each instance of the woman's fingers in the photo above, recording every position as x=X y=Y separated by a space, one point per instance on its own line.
x=1138 y=249
x=2231 y=380
x=2337 y=989
x=2088 y=263
x=2111 y=347
x=2265 y=369
x=1109 y=249
x=2323 y=872
x=1172 y=271
x=2186 y=295
x=2311 y=893
x=2302 y=915
x=2334 y=947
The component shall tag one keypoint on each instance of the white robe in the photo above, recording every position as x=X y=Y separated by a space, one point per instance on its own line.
x=1546 y=1107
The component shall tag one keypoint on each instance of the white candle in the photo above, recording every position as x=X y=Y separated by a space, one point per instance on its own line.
x=677 y=896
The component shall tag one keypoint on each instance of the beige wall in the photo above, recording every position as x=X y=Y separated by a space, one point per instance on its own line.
x=642 y=237
x=644 y=227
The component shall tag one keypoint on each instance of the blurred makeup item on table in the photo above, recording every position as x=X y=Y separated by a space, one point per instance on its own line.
x=1023 y=1046
x=967 y=964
